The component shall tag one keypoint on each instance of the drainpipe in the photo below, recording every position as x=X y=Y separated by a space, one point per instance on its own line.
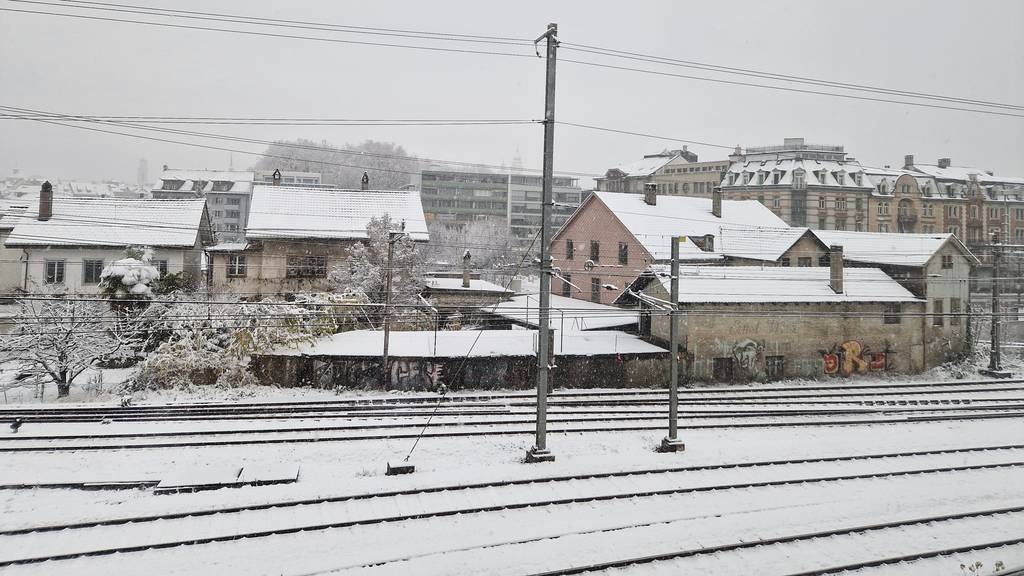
x=24 y=281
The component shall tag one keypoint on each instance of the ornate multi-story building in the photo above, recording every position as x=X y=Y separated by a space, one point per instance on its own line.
x=676 y=172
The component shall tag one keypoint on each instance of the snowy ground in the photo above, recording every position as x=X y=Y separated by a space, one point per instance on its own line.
x=596 y=521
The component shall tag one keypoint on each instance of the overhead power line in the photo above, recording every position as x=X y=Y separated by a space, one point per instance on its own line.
x=781 y=77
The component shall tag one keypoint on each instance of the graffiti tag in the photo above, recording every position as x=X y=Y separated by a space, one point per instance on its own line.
x=851 y=357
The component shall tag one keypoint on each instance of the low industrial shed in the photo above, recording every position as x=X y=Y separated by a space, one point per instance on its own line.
x=748 y=323
x=469 y=359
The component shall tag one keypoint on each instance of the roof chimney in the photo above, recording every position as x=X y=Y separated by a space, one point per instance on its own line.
x=908 y=161
x=45 y=201
x=716 y=202
x=650 y=193
x=465 y=268
x=364 y=183
x=835 y=257
x=275 y=178
x=944 y=162
x=165 y=168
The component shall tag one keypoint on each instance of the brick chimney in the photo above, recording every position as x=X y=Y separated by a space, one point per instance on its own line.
x=364 y=183
x=835 y=256
x=466 y=258
x=45 y=201
x=650 y=193
x=275 y=178
x=944 y=162
x=908 y=161
x=716 y=202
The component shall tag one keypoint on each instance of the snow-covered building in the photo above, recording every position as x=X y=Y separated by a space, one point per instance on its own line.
x=226 y=192
x=67 y=242
x=296 y=235
x=11 y=265
x=674 y=172
x=805 y=184
x=612 y=237
x=934 y=267
x=765 y=246
x=476 y=359
x=744 y=323
x=567 y=314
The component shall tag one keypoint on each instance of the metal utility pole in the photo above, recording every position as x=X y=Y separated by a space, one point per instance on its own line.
x=540 y=452
x=995 y=369
x=672 y=442
x=384 y=372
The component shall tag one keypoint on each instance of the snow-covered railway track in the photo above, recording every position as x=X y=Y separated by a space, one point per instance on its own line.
x=463 y=429
x=642 y=489
x=445 y=420
x=989 y=522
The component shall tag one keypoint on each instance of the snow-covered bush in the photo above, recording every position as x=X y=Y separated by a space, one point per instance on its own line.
x=212 y=342
x=130 y=277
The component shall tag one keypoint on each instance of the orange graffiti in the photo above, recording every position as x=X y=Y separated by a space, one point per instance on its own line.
x=878 y=361
x=851 y=358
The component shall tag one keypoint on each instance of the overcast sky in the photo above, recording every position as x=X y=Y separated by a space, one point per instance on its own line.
x=969 y=49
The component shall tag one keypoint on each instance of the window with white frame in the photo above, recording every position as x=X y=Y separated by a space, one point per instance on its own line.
x=91 y=271
x=236 y=266
x=54 y=271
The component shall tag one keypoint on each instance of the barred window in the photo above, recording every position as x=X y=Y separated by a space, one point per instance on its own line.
x=307 y=267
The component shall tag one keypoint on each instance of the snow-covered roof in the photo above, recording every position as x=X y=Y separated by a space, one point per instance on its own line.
x=767 y=244
x=475 y=285
x=13 y=211
x=228 y=247
x=202 y=181
x=734 y=284
x=889 y=248
x=114 y=222
x=329 y=213
x=964 y=173
x=570 y=313
x=471 y=343
x=644 y=167
x=816 y=173
x=653 y=226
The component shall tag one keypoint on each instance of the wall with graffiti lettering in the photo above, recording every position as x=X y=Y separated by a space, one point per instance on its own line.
x=852 y=357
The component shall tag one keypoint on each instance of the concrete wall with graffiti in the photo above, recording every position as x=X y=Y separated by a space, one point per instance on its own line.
x=774 y=341
x=490 y=373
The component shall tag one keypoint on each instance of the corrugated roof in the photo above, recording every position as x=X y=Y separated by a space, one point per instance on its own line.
x=296 y=212
x=889 y=248
x=754 y=284
x=653 y=226
x=469 y=343
x=566 y=313
x=113 y=222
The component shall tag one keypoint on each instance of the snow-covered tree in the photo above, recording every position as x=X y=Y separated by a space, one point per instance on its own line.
x=365 y=271
x=488 y=241
x=61 y=336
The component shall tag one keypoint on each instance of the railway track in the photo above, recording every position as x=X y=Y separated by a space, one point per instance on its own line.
x=555 y=417
x=458 y=429
x=141 y=533
x=880 y=528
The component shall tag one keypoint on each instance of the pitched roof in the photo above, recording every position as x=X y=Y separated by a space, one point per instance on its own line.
x=890 y=248
x=817 y=172
x=767 y=244
x=644 y=167
x=567 y=313
x=755 y=284
x=653 y=226
x=471 y=343
x=13 y=211
x=296 y=212
x=114 y=222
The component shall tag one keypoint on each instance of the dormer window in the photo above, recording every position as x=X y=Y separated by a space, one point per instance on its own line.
x=172 y=184
x=746 y=178
x=222 y=185
x=858 y=178
x=198 y=185
x=839 y=177
x=776 y=176
x=760 y=178
x=798 y=179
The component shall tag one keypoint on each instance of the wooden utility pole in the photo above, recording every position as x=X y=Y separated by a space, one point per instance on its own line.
x=540 y=452
x=672 y=442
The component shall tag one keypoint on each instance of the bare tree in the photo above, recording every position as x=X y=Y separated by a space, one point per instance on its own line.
x=63 y=336
x=488 y=241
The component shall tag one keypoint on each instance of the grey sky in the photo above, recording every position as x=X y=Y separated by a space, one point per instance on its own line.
x=968 y=49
